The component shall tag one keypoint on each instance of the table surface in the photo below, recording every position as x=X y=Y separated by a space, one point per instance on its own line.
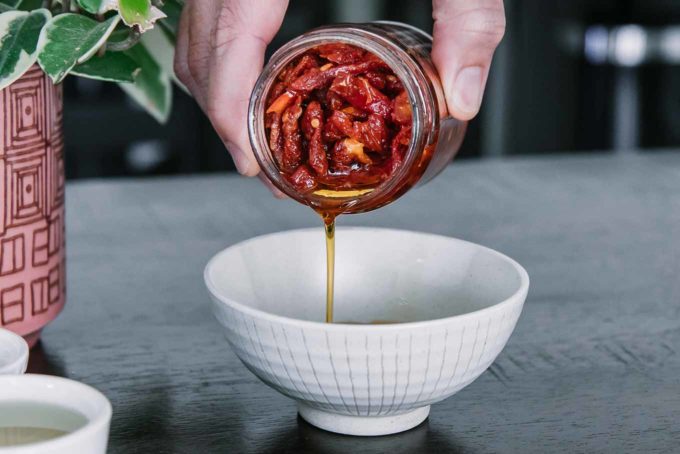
x=592 y=366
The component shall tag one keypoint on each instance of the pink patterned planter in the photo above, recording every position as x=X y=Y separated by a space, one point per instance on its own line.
x=32 y=253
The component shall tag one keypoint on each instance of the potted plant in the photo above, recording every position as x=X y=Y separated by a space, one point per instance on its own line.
x=130 y=42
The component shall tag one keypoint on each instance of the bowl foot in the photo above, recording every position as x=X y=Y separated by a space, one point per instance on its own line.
x=363 y=425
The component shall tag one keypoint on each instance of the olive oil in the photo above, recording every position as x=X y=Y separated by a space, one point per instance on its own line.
x=329 y=224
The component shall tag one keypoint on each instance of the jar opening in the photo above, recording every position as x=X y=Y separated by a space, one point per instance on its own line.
x=404 y=67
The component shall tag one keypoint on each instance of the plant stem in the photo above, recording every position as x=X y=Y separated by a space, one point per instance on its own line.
x=47 y=4
x=131 y=40
x=65 y=6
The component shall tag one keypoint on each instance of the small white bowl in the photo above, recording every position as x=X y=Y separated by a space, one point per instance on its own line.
x=13 y=353
x=78 y=409
x=459 y=303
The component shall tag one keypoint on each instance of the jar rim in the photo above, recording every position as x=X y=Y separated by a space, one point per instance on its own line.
x=404 y=66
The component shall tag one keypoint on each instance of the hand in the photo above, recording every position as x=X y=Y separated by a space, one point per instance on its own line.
x=221 y=44
x=219 y=55
x=466 y=33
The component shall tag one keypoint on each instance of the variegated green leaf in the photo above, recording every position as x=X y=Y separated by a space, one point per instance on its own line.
x=21 y=5
x=91 y=6
x=69 y=39
x=29 y=5
x=134 y=11
x=110 y=67
x=19 y=31
x=139 y=13
x=118 y=35
x=152 y=88
x=163 y=51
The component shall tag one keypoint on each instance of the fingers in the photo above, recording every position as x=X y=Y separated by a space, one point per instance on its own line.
x=181 y=66
x=220 y=53
x=466 y=34
x=243 y=31
x=202 y=22
x=234 y=72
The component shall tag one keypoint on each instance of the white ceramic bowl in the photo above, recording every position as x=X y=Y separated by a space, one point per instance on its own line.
x=77 y=408
x=459 y=301
x=13 y=353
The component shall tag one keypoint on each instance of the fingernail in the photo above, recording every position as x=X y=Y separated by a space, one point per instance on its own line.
x=241 y=160
x=467 y=90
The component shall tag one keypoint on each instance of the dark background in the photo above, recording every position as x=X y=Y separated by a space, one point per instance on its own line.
x=570 y=77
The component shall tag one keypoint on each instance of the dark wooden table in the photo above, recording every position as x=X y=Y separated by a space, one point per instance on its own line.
x=593 y=365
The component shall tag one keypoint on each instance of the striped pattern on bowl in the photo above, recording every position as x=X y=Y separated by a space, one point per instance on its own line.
x=463 y=299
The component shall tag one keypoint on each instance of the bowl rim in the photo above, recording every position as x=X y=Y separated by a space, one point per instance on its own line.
x=518 y=295
x=93 y=426
x=18 y=364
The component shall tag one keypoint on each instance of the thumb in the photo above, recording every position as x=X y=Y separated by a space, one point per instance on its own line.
x=466 y=34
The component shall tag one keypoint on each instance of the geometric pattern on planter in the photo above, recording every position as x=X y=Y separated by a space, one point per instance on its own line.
x=32 y=260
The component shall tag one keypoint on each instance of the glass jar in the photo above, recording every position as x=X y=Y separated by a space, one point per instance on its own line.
x=436 y=136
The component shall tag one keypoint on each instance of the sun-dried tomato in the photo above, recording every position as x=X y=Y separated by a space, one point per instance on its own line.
x=314 y=78
x=371 y=63
x=281 y=102
x=334 y=101
x=310 y=80
x=401 y=109
x=398 y=147
x=317 y=153
x=275 y=136
x=400 y=143
x=306 y=62
x=277 y=90
x=312 y=127
x=347 y=152
x=302 y=179
x=331 y=133
x=342 y=122
x=354 y=113
x=341 y=53
x=292 y=139
x=359 y=92
x=312 y=119
x=393 y=84
x=338 y=118
x=376 y=79
x=372 y=133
